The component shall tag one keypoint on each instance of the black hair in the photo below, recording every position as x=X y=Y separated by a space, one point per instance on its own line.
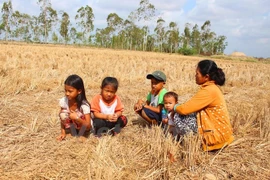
x=110 y=81
x=215 y=73
x=171 y=94
x=77 y=82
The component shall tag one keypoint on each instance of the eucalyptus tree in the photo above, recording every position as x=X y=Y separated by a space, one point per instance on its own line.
x=47 y=17
x=220 y=45
x=128 y=27
x=115 y=25
x=209 y=46
x=196 y=39
x=55 y=38
x=36 y=30
x=7 y=11
x=173 y=37
x=2 y=28
x=146 y=31
x=134 y=35
x=146 y=12
x=187 y=36
x=98 y=38
x=122 y=35
x=85 y=19
x=160 y=33
x=207 y=38
x=103 y=37
x=73 y=33
x=137 y=34
x=107 y=37
x=64 y=27
x=150 y=43
x=114 y=21
x=22 y=23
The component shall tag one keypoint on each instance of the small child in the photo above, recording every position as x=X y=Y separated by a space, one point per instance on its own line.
x=75 y=109
x=107 y=108
x=179 y=125
x=150 y=110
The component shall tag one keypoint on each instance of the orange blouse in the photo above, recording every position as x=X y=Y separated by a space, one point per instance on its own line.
x=212 y=118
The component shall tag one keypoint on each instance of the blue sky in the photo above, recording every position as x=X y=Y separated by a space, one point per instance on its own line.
x=245 y=23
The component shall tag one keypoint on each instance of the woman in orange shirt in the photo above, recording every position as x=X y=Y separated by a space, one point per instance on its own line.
x=212 y=118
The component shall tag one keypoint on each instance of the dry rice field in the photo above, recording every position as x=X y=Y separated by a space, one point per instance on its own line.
x=31 y=82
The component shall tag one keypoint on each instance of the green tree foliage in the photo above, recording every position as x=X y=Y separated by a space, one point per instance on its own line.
x=22 y=23
x=115 y=25
x=146 y=12
x=85 y=19
x=187 y=36
x=47 y=17
x=220 y=45
x=173 y=37
x=36 y=29
x=160 y=33
x=6 y=18
x=103 y=37
x=196 y=39
x=207 y=38
x=73 y=34
x=55 y=37
x=132 y=33
x=64 y=27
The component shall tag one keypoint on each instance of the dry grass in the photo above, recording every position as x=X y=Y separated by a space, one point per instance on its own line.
x=31 y=82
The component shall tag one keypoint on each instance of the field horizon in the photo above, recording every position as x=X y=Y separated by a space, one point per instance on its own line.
x=31 y=81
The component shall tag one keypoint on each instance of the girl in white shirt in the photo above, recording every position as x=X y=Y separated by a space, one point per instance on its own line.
x=75 y=109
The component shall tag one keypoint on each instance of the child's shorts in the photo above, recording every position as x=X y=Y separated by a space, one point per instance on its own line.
x=152 y=115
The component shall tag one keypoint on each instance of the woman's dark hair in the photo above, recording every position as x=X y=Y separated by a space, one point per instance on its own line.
x=215 y=73
x=77 y=82
x=171 y=94
x=110 y=81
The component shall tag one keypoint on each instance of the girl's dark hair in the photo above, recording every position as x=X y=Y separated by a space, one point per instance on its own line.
x=171 y=94
x=110 y=81
x=77 y=82
x=215 y=73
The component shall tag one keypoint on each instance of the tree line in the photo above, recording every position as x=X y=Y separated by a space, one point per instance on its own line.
x=51 y=26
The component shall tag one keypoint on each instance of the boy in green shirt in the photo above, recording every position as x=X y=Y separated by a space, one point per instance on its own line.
x=150 y=110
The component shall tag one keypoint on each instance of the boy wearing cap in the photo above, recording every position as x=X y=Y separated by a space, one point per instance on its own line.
x=150 y=110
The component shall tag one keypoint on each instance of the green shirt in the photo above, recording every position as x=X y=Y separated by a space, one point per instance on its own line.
x=158 y=99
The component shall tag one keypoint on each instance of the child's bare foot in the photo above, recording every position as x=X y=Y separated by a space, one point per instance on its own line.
x=153 y=122
x=82 y=139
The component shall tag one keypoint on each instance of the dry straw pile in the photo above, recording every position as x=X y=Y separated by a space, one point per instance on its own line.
x=31 y=82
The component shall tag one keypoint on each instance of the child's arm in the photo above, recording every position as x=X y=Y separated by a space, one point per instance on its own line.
x=154 y=109
x=85 y=122
x=106 y=117
x=63 y=133
x=140 y=104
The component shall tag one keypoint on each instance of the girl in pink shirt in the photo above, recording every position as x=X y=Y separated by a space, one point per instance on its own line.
x=75 y=109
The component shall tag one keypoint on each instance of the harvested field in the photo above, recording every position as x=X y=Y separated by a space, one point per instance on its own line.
x=31 y=81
